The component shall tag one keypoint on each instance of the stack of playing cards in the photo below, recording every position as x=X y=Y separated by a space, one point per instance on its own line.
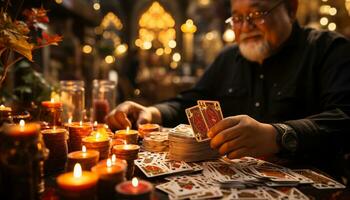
x=156 y=142
x=202 y=117
x=183 y=146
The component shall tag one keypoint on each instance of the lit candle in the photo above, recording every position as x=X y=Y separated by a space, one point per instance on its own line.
x=77 y=184
x=130 y=136
x=87 y=158
x=77 y=131
x=145 y=129
x=135 y=189
x=99 y=142
x=56 y=141
x=128 y=152
x=23 y=130
x=51 y=104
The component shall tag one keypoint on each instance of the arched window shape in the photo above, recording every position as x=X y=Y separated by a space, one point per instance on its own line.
x=156 y=28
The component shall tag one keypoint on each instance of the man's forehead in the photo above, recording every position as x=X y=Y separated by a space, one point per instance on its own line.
x=251 y=3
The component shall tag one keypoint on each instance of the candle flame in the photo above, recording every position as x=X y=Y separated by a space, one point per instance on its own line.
x=98 y=135
x=134 y=182
x=95 y=123
x=22 y=123
x=81 y=123
x=127 y=129
x=109 y=162
x=114 y=158
x=70 y=120
x=106 y=126
x=83 y=149
x=52 y=100
x=77 y=172
x=2 y=106
x=54 y=128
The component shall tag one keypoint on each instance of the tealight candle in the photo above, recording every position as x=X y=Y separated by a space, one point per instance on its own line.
x=135 y=189
x=77 y=184
x=87 y=158
x=23 y=130
x=130 y=136
x=99 y=142
x=110 y=174
x=50 y=114
x=145 y=129
x=77 y=131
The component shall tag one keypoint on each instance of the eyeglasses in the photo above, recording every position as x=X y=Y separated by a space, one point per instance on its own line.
x=257 y=17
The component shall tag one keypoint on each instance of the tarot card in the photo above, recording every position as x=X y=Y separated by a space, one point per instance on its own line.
x=320 y=181
x=177 y=166
x=211 y=112
x=198 y=124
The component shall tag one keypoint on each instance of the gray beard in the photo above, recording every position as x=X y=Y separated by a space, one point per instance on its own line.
x=255 y=51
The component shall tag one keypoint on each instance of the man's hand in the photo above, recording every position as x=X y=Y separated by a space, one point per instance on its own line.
x=241 y=135
x=128 y=113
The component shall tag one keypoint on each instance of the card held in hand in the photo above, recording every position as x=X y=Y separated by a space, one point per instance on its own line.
x=198 y=124
x=211 y=112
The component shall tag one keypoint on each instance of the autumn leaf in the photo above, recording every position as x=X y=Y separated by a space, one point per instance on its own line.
x=35 y=15
x=48 y=40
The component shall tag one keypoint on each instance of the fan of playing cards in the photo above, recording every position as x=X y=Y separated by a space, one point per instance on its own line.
x=202 y=117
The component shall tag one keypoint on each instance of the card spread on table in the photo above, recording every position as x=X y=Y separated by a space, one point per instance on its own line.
x=202 y=117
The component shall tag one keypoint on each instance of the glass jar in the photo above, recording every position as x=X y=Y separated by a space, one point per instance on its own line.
x=22 y=159
x=50 y=114
x=73 y=99
x=103 y=99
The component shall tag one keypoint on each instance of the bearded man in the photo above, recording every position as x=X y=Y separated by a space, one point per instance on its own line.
x=284 y=90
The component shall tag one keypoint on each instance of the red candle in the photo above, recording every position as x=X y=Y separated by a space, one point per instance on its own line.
x=77 y=184
x=51 y=104
x=135 y=189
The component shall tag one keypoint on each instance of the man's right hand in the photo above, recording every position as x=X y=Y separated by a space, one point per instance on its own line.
x=128 y=113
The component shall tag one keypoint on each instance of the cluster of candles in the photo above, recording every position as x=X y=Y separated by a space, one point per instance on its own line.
x=84 y=150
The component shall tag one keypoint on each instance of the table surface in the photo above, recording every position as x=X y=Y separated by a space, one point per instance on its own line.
x=311 y=192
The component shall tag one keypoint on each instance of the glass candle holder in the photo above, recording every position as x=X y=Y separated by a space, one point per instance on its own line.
x=73 y=99
x=103 y=98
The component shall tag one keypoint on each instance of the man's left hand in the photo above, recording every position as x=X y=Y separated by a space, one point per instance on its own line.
x=241 y=135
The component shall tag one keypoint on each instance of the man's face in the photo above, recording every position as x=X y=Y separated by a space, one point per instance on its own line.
x=258 y=39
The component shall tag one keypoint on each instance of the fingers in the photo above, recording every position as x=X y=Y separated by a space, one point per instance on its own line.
x=231 y=146
x=223 y=124
x=118 y=120
x=239 y=153
x=224 y=136
x=143 y=118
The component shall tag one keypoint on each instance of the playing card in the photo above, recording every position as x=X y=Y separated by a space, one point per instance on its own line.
x=153 y=169
x=274 y=194
x=249 y=194
x=211 y=111
x=320 y=181
x=181 y=188
x=198 y=124
x=292 y=193
x=274 y=174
